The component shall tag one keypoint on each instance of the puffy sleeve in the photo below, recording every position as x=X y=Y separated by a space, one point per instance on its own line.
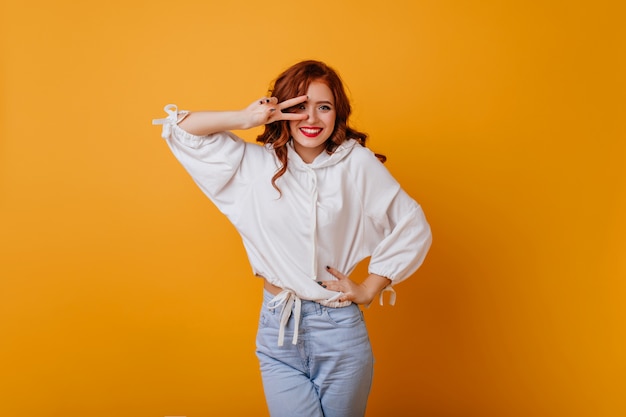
x=397 y=230
x=213 y=161
x=406 y=241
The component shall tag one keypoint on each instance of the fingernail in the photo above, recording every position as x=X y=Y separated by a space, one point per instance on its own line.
x=320 y=282
x=327 y=267
x=323 y=286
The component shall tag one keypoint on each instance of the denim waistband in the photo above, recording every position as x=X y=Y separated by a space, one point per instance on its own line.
x=307 y=307
x=290 y=304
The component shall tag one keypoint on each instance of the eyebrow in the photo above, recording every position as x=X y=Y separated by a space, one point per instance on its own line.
x=323 y=102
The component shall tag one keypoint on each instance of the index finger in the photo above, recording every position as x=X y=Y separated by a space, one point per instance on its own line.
x=335 y=273
x=292 y=102
x=292 y=116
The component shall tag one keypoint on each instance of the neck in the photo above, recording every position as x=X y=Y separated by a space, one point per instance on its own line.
x=308 y=155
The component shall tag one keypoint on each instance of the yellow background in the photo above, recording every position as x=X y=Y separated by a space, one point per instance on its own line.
x=124 y=292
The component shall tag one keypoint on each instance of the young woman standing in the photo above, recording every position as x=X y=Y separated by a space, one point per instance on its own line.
x=310 y=204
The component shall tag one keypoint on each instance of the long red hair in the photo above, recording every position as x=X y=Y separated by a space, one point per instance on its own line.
x=295 y=82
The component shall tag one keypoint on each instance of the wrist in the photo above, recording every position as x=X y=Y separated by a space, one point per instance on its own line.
x=241 y=120
x=373 y=285
x=368 y=294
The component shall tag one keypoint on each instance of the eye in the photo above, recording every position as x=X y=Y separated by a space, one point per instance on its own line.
x=325 y=107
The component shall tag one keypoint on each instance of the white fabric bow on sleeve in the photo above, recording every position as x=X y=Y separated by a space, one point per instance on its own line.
x=173 y=117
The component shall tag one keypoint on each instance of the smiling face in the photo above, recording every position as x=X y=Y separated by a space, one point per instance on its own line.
x=310 y=135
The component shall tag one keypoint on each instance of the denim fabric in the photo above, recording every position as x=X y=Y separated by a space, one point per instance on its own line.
x=327 y=373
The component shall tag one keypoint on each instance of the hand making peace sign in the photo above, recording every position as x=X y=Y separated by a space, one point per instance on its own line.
x=264 y=110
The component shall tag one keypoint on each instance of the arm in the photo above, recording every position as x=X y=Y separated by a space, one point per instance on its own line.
x=399 y=254
x=396 y=229
x=209 y=152
x=260 y=112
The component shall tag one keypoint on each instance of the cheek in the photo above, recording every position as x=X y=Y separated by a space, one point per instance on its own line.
x=292 y=127
x=330 y=122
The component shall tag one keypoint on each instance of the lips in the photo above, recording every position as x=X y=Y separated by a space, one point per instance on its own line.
x=311 y=132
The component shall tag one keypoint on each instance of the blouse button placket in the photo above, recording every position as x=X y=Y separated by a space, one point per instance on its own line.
x=314 y=197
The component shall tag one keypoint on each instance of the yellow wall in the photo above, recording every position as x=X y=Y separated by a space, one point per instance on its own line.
x=124 y=292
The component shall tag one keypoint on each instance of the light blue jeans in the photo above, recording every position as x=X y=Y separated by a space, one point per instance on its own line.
x=328 y=373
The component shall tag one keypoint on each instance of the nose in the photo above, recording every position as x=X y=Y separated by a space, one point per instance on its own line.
x=311 y=114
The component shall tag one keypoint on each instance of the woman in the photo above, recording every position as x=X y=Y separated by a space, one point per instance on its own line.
x=309 y=205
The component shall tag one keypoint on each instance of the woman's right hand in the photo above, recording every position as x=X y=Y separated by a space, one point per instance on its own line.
x=268 y=110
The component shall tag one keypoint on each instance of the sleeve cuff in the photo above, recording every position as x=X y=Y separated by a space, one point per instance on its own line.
x=173 y=118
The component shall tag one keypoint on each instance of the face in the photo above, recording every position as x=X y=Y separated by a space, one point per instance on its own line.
x=310 y=135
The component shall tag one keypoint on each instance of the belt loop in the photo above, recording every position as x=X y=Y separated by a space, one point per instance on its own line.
x=319 y=309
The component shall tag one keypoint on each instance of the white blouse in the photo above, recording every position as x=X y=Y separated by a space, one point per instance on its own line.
x=336 y=211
